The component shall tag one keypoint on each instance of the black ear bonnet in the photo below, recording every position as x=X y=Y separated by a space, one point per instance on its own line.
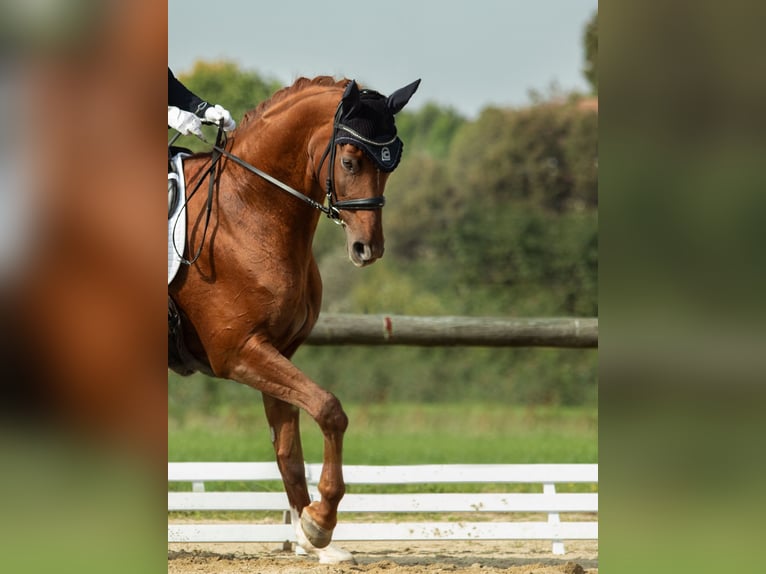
x=367 y=121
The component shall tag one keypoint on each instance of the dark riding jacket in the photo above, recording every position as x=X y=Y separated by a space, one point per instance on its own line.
x=181 y=97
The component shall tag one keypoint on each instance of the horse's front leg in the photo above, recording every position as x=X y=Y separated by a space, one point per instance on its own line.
x=262 y=367
x=319 y=518
x=285 y=434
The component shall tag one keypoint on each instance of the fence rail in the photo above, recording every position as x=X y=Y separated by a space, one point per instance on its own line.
x=349 y=329
x=549 y=502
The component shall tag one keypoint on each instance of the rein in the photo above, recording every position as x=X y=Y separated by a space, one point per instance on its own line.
x=333 y=207
x=331 y=210
x=210 y=173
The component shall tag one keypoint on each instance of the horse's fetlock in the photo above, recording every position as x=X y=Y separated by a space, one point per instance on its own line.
x=332 y=495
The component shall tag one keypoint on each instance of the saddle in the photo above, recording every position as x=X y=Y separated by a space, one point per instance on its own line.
x=179 y=357
x=174 y=176
x=176 y=214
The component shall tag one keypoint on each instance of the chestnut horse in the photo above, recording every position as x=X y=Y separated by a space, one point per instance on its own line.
x=253 y=294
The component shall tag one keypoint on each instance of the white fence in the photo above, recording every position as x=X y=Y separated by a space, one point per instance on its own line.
x=548 y=501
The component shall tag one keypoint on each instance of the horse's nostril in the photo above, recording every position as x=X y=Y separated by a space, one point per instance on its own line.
x=361 y=250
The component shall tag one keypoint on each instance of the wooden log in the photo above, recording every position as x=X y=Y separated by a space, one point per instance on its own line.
x=349 y=329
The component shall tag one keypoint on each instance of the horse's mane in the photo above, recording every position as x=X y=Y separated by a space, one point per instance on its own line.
x=297 y=86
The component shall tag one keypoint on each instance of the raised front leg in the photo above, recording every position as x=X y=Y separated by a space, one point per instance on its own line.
x=262 y=367
x=319 y=518
x=285 y=435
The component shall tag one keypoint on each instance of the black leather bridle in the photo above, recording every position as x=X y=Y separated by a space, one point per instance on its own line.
x=333 y=207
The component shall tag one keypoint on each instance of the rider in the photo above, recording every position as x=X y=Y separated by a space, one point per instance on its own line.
x=186 y=111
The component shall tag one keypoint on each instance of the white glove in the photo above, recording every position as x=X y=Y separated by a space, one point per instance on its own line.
x=184 y=122
x=217 y=113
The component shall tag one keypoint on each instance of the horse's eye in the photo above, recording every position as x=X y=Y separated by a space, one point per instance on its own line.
x=347 y=164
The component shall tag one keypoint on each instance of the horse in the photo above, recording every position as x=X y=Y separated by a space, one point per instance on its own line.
x=252 y=293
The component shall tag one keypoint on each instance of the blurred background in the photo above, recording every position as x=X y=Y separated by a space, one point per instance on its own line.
x=83 y=390
x=681 y=282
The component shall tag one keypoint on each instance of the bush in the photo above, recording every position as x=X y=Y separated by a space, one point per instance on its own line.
x=546 y=154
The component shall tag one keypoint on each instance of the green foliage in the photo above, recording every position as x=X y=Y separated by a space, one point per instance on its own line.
x=429 y=130
x=591 y=52
x=422 y=202
x=226 y=84
x=580 y=150
x=438 y=375
x=530 y=262
x=525 y=155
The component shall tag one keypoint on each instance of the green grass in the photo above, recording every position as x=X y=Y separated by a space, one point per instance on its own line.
x=389 y=434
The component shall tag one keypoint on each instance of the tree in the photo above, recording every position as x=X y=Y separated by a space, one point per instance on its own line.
x=591 y=52
x=225 y=83
x=430 y=129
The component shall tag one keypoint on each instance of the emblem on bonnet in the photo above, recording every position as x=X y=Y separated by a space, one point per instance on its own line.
x=385 y=154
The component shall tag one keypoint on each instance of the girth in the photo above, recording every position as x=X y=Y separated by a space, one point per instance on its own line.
x=180 y=359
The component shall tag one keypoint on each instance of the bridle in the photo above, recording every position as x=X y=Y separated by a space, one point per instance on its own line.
x=333 y=208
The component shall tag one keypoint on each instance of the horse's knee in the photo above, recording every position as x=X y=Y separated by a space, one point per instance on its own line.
x=331 y=418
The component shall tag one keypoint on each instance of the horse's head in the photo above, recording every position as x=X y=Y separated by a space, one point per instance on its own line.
x=364 y=151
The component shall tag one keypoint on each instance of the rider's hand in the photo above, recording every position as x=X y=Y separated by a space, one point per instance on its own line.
x=184 y=122
x=217 y=113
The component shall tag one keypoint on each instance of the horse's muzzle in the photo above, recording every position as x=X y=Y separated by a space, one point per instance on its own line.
x=362 y=253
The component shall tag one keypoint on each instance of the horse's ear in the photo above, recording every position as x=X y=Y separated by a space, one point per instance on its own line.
x=400 y=97
x=350 y=98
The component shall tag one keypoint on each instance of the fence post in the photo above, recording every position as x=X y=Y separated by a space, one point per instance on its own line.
x=553 y=518
x=287 y=546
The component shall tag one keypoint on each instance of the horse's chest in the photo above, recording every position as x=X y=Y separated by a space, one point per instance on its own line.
x=293 y=312
x=291 y=325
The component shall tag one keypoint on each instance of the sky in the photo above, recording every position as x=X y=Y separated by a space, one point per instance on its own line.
x=469 y=54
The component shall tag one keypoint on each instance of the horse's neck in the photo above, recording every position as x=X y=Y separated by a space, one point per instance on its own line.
x=285 y=148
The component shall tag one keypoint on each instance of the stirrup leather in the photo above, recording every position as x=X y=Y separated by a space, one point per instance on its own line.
x=172 y=192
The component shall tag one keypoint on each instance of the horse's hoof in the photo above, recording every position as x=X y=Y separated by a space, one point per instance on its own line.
x=332 y=554
x=318 y=537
